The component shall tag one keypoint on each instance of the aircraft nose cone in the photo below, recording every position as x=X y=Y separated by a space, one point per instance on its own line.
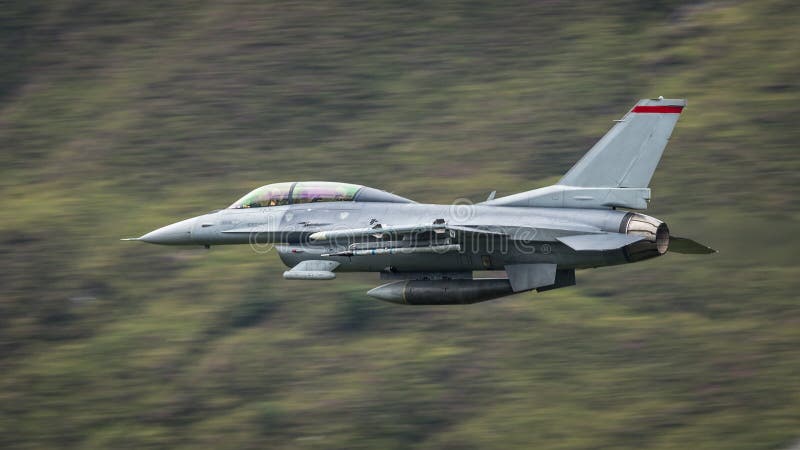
x=175 y=234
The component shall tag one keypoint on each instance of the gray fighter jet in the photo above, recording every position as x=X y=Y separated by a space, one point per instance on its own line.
x=428 y=253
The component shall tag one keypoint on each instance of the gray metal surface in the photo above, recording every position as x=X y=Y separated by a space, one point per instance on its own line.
x=628 y=154
x=312 y=270
x=525 y=277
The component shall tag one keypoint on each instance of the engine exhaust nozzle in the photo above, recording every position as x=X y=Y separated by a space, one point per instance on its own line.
x=655 y=232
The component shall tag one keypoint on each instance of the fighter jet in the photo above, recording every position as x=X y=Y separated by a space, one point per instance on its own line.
x=427 y=253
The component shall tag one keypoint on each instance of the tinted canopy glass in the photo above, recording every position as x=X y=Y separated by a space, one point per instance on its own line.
x=270 y=195
x=278 y=194
x=323 y=191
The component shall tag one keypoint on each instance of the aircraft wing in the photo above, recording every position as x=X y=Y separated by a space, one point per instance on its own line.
x=612 y=241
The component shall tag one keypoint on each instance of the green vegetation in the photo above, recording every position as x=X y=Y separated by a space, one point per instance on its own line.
x=118 y=117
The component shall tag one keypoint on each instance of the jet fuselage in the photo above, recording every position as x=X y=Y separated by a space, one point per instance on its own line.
x=531 y=234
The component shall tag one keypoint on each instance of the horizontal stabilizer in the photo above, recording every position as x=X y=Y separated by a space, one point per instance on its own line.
x=599 y=242
x=688 y=246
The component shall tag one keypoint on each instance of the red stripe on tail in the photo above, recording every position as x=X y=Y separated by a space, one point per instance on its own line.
x=658 y=109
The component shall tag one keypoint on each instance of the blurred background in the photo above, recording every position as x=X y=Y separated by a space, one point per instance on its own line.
x=118 y=117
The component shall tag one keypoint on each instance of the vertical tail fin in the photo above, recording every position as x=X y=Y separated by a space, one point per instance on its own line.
x=628 y=154
x=615 y=172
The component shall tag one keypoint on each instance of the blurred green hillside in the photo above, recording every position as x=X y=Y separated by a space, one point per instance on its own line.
x=119 y=117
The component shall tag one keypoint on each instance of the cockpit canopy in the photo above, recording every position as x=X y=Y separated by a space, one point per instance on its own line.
x=278 y=194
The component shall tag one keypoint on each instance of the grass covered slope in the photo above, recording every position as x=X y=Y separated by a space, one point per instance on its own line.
x=119 y=117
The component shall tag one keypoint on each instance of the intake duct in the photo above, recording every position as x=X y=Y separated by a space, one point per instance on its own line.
x=655 y=232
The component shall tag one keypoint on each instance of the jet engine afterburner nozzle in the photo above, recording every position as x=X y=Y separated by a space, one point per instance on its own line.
x=656 y=235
